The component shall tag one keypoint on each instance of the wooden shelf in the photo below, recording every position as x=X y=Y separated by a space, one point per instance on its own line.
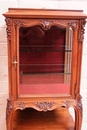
x=30 y=119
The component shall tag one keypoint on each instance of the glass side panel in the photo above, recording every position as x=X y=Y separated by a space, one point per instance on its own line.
x=44 y=60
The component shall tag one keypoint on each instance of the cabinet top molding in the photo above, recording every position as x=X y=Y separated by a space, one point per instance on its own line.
x=44 y=13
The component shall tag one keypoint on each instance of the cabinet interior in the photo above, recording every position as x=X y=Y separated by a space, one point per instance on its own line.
x=45 y=60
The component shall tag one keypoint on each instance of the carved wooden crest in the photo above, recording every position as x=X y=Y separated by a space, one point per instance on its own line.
x=46 y=24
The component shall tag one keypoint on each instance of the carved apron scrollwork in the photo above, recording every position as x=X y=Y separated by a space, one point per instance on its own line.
x=21 y=105
x=67 y=103
x=44 y=106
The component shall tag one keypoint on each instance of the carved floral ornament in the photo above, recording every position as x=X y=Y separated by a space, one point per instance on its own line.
x=72 y=24
x=68 y=103
x=44 y=106
x=21 y=105
x=18 y=22
x=46 y=24
x=9 y=107
x=8 y=29
x=82 y=30
x=79 y=103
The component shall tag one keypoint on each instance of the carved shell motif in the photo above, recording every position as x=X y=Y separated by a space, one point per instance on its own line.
x=46 y=24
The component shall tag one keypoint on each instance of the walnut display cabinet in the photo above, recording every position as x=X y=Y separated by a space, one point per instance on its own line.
x=44 y=63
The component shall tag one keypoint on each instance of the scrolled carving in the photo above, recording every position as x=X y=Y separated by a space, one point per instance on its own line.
x=82 y=31
x=9 y=107
x=8 y=29
x=45 y=106
x=18 y=22
x=46 y=24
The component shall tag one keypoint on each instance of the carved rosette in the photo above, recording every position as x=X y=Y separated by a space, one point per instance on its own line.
x=72 y=24
x=8 y=29
x=9 y=107
x=44 y=106
x=82 y=30
x=18 y=22
x=46 y=24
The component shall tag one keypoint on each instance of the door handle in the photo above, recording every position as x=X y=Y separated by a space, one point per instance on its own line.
x=15 y=62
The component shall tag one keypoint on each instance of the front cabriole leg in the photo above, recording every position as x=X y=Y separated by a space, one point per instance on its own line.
x=9 y=114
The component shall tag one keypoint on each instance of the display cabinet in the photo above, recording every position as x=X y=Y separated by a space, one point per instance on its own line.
x=44 y=60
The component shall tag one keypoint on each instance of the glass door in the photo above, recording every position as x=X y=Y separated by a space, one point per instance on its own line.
x=45 y=58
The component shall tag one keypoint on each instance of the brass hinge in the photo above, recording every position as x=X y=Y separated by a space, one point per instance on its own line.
x=15 y=61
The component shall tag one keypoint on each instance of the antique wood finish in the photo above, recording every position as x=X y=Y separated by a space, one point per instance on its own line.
x=56 y=119
x=72 y=22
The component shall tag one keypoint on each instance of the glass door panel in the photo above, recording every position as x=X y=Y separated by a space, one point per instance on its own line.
x=44 y=60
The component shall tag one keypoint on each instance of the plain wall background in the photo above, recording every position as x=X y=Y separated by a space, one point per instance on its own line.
x=54 y=4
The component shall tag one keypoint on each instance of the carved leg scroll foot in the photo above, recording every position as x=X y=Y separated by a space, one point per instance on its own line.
x=9 y=114
x=77 y=105
x=78 y=113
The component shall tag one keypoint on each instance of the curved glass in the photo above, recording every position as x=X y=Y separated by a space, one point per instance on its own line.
x=45 y=60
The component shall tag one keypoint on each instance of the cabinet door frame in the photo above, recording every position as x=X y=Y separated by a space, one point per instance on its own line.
x=45 y=23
